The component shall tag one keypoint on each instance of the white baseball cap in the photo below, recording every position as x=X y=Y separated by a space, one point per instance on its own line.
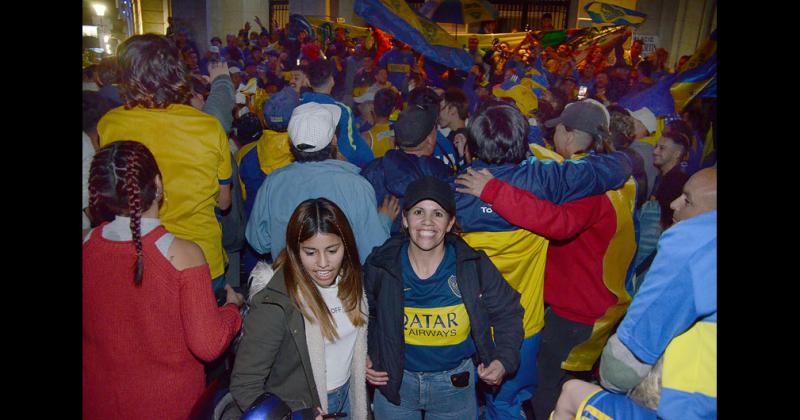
x=312 y=125
x=646 y=117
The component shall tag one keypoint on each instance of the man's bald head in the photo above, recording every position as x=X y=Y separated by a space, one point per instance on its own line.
x=699 y=195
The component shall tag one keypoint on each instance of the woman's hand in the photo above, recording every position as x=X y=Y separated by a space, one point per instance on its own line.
x=473 y=182
x=492 y=375
x=233 y=297
x=374 y=377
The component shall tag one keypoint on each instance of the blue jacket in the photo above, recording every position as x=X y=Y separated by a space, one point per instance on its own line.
x=336 y=180
x=392 y=173
x=349 y=140
x=495 y=314
x=674 y=316
x=446 y=152
x=546 y=179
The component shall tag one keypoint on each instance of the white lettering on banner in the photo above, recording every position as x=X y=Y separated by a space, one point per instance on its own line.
x=650 y=43
x=486 y=209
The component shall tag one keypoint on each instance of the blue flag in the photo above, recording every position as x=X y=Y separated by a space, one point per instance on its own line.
x=710 y=90
x=657 y=98
x=400 y=21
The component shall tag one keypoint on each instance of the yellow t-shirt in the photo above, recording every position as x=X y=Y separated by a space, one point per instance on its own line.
x=380 y=138
x=191 y=150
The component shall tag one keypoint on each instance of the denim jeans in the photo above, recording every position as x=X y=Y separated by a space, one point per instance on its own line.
x=339 y=400
x=432 y=393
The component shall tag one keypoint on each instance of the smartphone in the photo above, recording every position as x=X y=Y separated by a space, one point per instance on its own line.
x=582 y=92
x=460 y=380
x=334 y=415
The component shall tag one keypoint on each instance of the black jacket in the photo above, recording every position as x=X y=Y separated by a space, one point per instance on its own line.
x=489 y=300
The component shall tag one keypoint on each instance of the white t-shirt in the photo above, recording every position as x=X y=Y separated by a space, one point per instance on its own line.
x=338 y=354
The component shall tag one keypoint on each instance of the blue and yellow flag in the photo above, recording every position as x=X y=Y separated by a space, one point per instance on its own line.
x=352 y=30
x=537 y=74
x=696 y=74
x=670 y=95
x=604 y=13
x=428 y=38
x=657 y=98
x=710 y=91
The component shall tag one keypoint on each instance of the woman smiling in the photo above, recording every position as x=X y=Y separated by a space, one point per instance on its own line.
x=448 y=297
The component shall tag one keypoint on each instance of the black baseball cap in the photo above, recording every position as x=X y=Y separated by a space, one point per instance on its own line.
x=413 y=125
x=430 y=188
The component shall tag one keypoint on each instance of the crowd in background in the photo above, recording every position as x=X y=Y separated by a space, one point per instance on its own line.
x=582 y=206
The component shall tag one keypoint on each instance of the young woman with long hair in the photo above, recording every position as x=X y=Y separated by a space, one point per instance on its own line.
x=305 y=335
x=149 y=315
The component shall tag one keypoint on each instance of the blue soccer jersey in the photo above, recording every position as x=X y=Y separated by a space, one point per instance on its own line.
x=436 y=324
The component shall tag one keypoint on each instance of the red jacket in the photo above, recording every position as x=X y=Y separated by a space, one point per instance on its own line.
x=591 y=247
x=143 y=347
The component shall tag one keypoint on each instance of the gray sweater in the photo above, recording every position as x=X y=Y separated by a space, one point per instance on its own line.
x=221 y=100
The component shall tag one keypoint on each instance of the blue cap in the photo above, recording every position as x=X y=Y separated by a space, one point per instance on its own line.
x=278 y=109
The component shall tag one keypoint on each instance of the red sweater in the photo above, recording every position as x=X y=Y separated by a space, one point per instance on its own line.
x=143 y=347
x=582 y=267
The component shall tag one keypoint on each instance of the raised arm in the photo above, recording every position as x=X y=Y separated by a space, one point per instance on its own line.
x=221 y=99
x=573 y=179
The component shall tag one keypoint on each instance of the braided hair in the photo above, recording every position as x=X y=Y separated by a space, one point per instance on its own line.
x=122 y=182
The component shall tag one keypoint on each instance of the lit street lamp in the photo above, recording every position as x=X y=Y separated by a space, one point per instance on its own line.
x=99 y=8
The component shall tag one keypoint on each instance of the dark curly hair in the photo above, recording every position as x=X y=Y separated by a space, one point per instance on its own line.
x=152 y=73
x=122 y=182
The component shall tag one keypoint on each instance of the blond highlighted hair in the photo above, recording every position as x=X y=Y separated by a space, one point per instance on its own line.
x=311 y=217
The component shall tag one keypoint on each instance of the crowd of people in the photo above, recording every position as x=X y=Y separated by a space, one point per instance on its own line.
x=479 y=243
